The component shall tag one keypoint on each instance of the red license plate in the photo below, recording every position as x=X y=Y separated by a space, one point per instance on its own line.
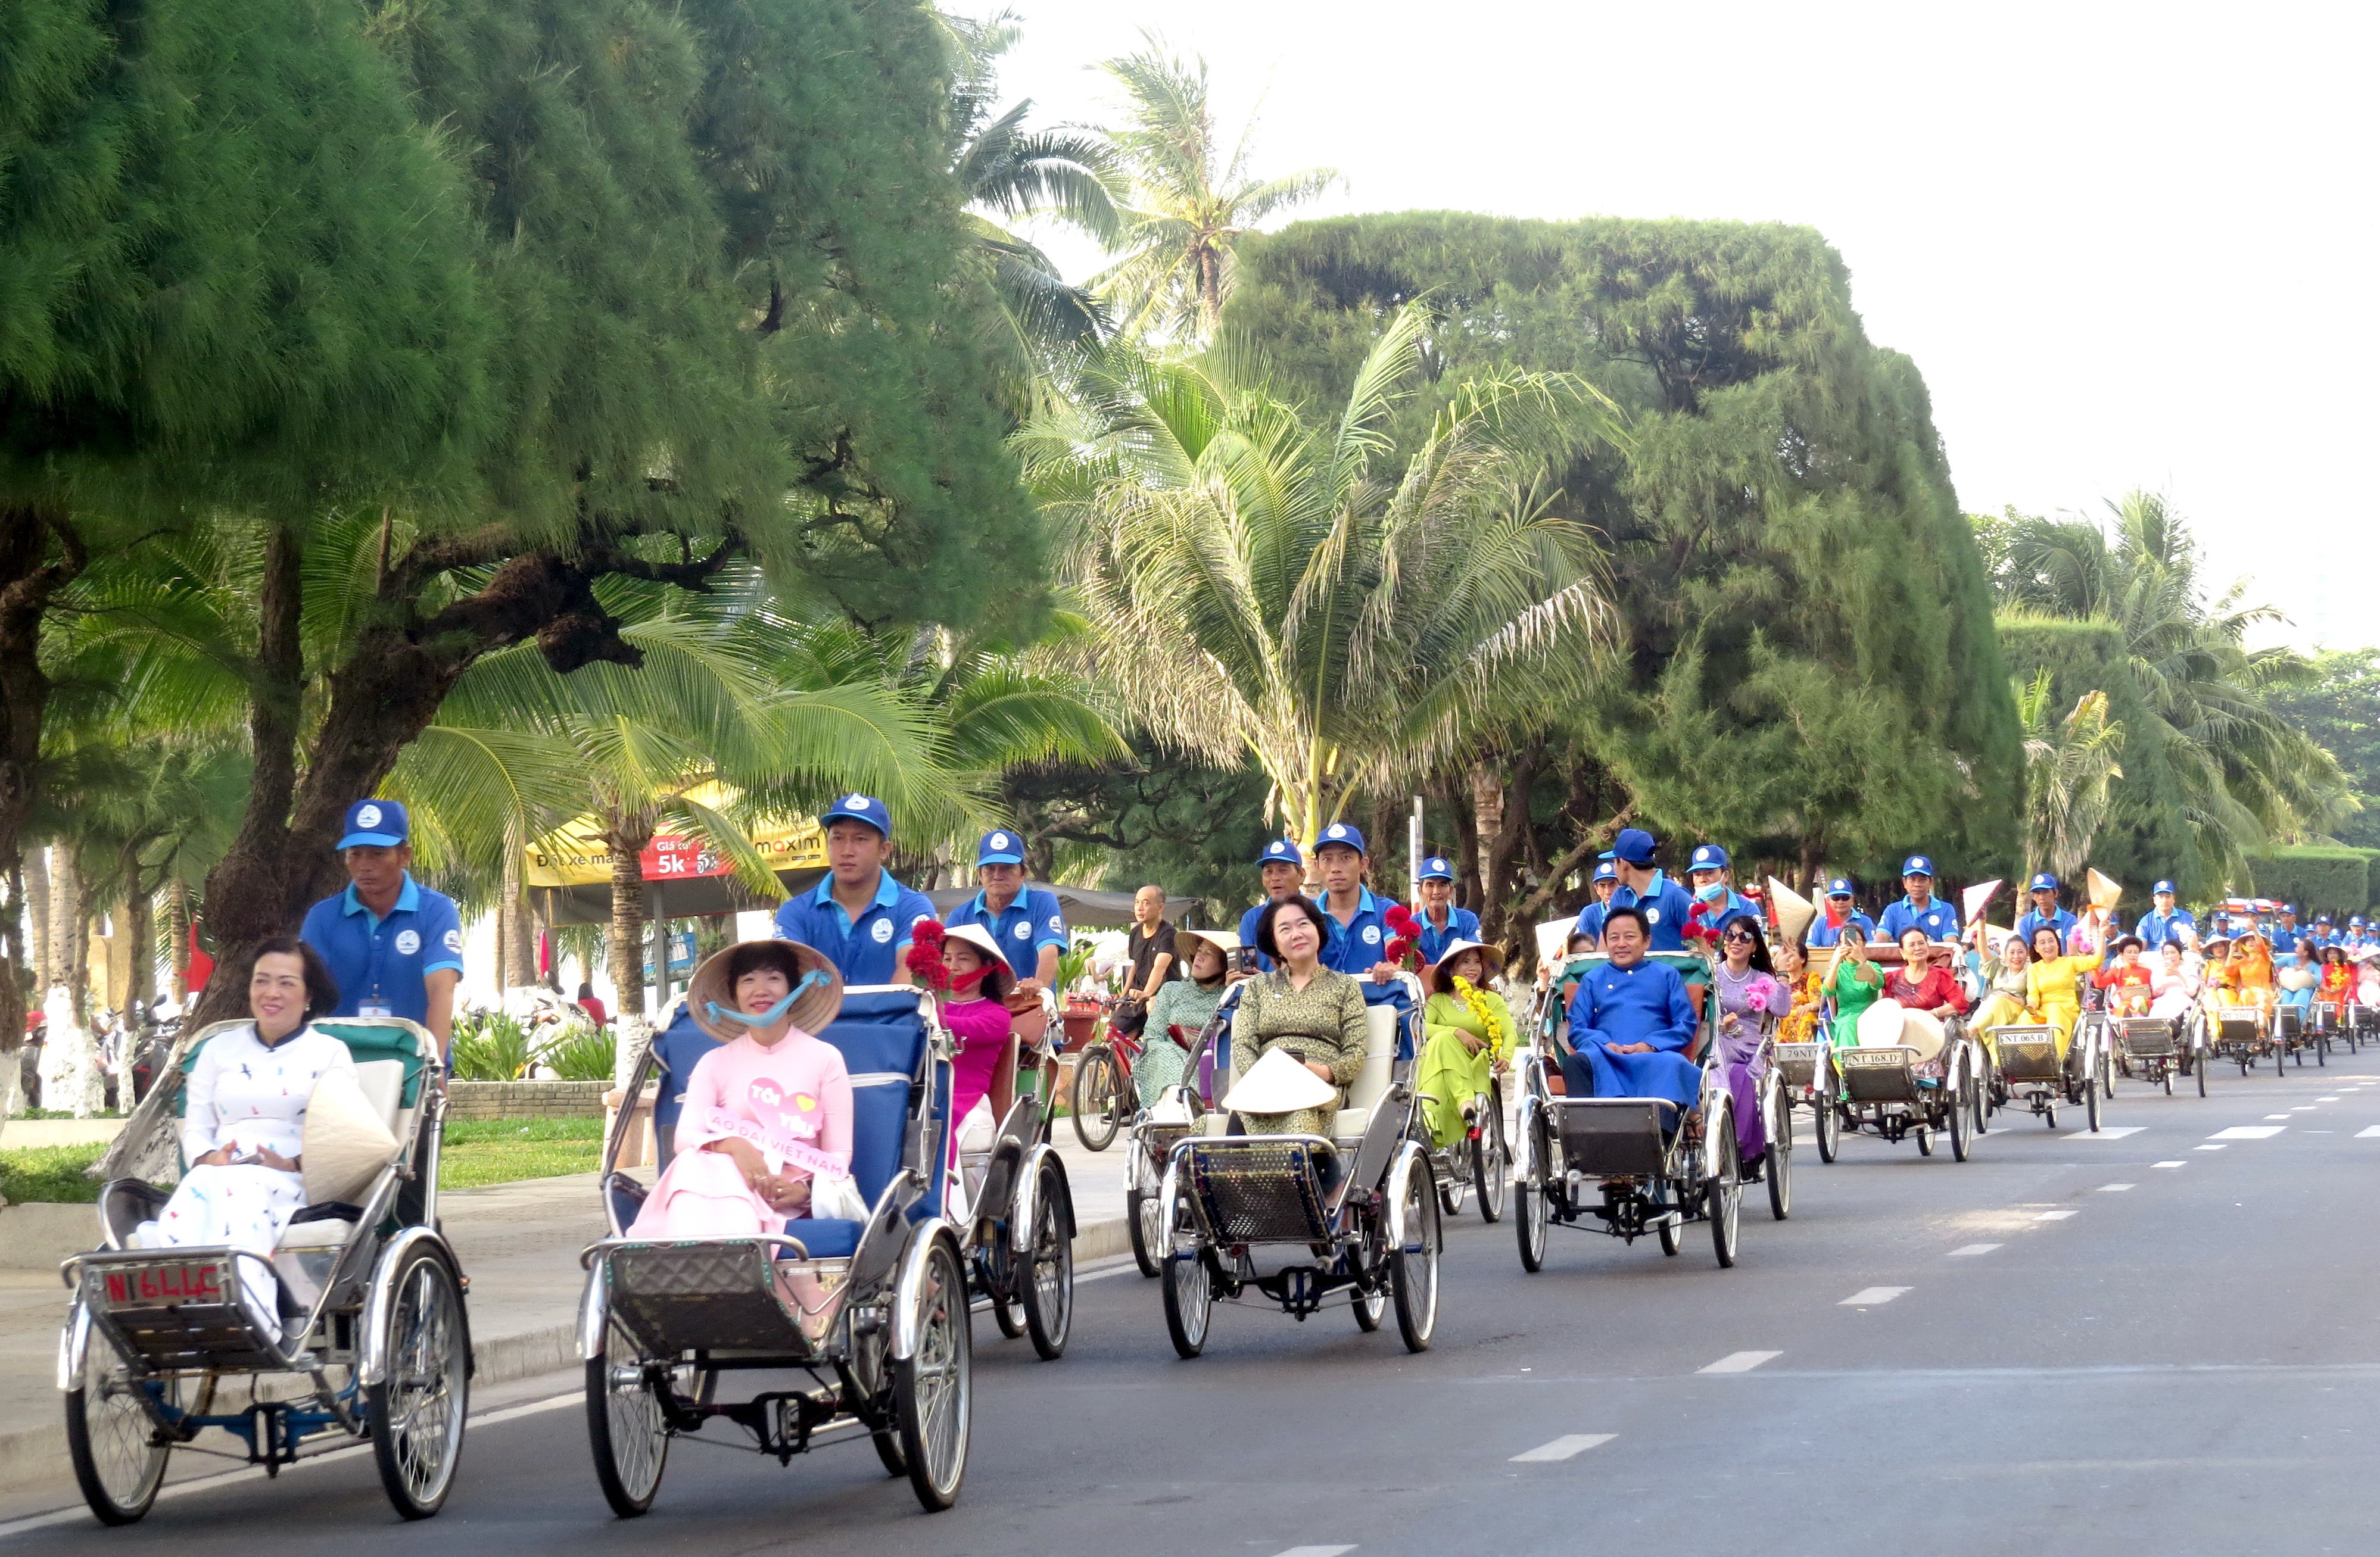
x=147 y=1287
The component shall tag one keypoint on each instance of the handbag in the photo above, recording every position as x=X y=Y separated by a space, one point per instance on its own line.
x=835 y=1197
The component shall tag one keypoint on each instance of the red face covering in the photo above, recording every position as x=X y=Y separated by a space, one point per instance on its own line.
x=964 y=983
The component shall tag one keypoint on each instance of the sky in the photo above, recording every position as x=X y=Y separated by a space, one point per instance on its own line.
x=2119 y=241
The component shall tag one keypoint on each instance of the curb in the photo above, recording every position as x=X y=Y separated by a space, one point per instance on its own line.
x=30 y=1455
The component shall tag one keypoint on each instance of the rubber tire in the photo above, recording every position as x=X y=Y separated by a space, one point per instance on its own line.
x=1370 y=1308
x=1925 y=1137
x=1050 y=1314
x=1963 y=1113
x=997 y=1266
x=424 y=1276
x=1532 y=1213
x=1779 y=1167
x=2201 y=1068
x=1189 y=1294
x=1724 y=1200
x=1142 y=1214
x=630 y=1493
x=2050 y=1117
x=1491 y=1162
x=946 y=1323
x=2168 y=1081
x=1830 y=1132
x=1097 y=1078
x=104 y=1502
x=2091 y=1108
x=1413 y=1275
x=1674 y=1236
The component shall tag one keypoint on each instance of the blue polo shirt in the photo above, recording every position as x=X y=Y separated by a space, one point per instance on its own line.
x=868 y=952
x=1462 y=925
x=1020 y=929
x=1362 y=941
x=383 y=962
x=1939 y=920
x=1823 y=934
x=1665 y=905
x=2033 y=919
x=2157 y=929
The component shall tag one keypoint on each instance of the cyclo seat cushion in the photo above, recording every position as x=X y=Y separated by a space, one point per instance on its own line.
x=882 y=1037
x=826 y=1237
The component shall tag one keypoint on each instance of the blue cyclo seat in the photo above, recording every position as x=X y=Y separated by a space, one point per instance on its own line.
x=882 y=1036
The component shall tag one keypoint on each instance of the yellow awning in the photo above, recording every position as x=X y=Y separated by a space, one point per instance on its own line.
x=575 y=855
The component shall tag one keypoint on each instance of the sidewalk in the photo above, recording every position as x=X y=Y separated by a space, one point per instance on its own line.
x=520 y=1244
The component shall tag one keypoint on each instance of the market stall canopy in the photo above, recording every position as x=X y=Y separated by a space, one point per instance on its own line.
x=684 y=877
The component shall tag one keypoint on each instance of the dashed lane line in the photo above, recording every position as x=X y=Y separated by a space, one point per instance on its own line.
x=2052 y=1215
x=1568 y=1446
x=1867 y=1296
x=2368 y=1132
x=2112 y=1132
x=1739 y=1362
x=2174 y=1163
x=2207 y=1148
x=2247 y=1132
x=1967 y=1250
x=2115 y=1189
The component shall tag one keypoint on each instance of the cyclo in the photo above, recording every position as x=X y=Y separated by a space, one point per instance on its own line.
x=1632 y=1162
x=1300 y=1219
x=1912 y=1076
x=886 y=1345
x=2156 y=1049
x=162 y=1345
x=2027 y=1072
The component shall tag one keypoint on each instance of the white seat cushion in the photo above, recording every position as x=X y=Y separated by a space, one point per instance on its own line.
x=326 y=1233
x=1351 y=1124
x=1379 y=1059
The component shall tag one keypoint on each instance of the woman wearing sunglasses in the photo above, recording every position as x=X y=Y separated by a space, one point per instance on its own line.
x=1750 y=1000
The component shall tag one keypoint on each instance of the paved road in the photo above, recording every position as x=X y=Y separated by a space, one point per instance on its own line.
x=2121 y=1344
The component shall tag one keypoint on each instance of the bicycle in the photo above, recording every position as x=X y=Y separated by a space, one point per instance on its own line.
x=1103 y=1095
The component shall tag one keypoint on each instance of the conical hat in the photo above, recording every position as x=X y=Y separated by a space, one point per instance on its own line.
x=346 y=1142
x=811 y=1012
x=1440 y=969
x=1278 y=1084
x=1880 y=1025
x=1922 y=1031
x=1794 y=912
x=2103 y=892
x=1225 y=941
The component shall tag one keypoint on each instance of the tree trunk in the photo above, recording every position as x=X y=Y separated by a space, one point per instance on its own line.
x=70 y=1067
x=177 y=909
x=1813 y=859
x=35 y=968
x=139 y=928
x=1486 y=820
x=512 y=912
x=67 y=969
x=13 y=960
x=30 y=579
x=629 y=833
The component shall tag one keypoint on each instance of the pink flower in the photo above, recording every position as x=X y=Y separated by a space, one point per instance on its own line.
x=1759 y=1002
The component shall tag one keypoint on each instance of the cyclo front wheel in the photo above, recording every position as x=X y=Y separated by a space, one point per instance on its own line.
x=625 y=1425
x=1047 y=1281
x=119 y=1458
x=933 y=1389
x=417 y=1410
x=1413 y=1267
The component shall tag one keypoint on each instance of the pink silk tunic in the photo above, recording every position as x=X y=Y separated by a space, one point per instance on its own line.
x=793 y=1102
x=981 y=1028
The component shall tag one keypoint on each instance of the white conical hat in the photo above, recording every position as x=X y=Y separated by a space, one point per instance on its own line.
x=1881 y=1024
x=346 y=1142
x=1794 y=912
x=1278 y=1084
x=1923 y=1031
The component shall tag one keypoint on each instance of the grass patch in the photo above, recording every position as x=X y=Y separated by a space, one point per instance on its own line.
x=52 y=1173
x=483 y=1152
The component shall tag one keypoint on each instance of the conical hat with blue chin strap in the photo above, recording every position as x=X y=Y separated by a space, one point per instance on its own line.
x=815 y=983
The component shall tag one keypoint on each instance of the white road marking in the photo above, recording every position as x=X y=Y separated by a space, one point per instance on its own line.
x=2053 y=1215
x=1564 y=1447
x=1316 y=1551
x=1868 y=1295
x=2176 y=1162
x=2325 y=1100
x=2209 y=1148
x=1965 y=1249
x=2301 y=1109
x=1739 y=1362
x=2368 y=1132
x=2249 y=1132
x=2276 y=1115
x=2111 y=1189
x=2113 y=1132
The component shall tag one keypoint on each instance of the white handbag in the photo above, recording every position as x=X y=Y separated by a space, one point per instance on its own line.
x=835 y=1197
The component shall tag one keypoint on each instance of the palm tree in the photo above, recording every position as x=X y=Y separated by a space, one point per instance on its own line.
x=1185 y=206
x=2070 y=773
x=2246 y=773
x=1253 y=591
x=1009 y=171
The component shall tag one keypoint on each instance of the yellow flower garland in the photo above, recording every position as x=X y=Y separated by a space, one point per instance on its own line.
x=1468 y=993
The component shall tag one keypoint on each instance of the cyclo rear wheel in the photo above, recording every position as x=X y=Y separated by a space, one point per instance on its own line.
x=417 y=1411
x=1531 y=1209
x=1779 y=1171
x=1189 y=1302
x=1491 y=1160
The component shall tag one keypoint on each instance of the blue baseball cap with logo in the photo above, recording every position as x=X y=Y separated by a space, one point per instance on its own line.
x=2289 y=909
x=1607 y=871
x=1840 y=887
x=1707 y=857
x=999 y=847
x=2044 y=882
x=1282 y=851
x=1341 y=834
x=1633 y=846
x=1917 y=864
x=378 y=824
x=1435 y=868
x=860 y=808
x=2322 y=919
x=2162 y=890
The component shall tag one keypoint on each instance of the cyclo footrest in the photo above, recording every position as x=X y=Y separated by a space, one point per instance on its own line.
x=1260 y=1188
x=175 y=1308
x=705 y=1296
x=1607 y=1137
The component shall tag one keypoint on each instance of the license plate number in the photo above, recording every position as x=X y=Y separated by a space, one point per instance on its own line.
x=147 y=1287
x=1871 y=1057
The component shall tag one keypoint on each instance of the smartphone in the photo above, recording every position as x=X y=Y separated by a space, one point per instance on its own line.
x=1245 y=958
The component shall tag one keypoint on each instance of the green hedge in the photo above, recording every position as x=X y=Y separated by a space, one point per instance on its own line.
x=2144 y=838
x=2318 y=880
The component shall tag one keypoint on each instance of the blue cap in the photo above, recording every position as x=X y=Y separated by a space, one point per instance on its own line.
x=1341 y=834
x=1607 y=871
x=2289 y=908
x=1917 y=864
x=1283 y=851
x=1633 y=846
x=860 y=808
x=998 y=847
x=1840 y=887
x=2357 y=920
x=1435 y=868
x=2161 y=887
x=2322 y=919
x=2044 y=882
x=1707 y=857
x=379 y=822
